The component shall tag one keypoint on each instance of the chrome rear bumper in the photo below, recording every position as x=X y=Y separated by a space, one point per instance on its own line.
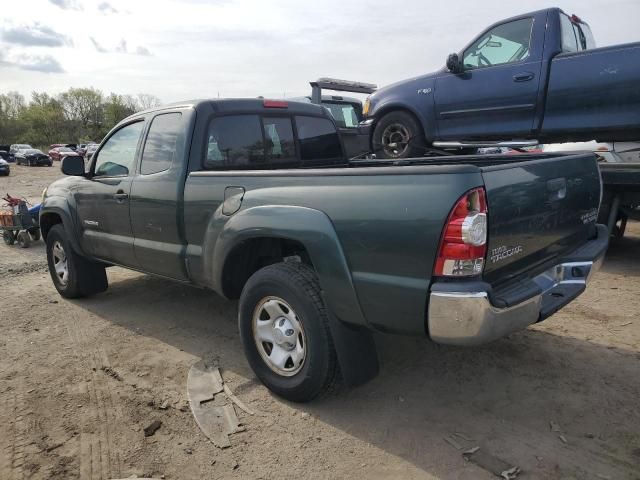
x=469 y=318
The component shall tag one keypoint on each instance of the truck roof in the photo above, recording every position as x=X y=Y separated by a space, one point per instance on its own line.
x=243 y=105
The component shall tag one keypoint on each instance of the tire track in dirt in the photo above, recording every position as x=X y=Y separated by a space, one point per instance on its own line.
x=13 y=455
x=98 y=458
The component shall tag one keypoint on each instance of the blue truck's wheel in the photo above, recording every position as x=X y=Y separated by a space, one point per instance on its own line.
x=73 y=275
x=285 y=331
x=398 y=135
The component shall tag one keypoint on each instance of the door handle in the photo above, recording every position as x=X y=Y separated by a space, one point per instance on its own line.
x=523 y=77
x=120 y=196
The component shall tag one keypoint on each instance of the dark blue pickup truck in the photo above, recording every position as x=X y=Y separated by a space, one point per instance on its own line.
x=536 y=77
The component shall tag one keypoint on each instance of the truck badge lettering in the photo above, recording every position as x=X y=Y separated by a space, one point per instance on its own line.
x=424 y=91
x=500 y=253
x=590 y=216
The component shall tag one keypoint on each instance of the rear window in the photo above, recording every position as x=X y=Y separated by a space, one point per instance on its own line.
x=266 y=142
x=235 y=141
x=161 y=144
x=280 y=144
x=319 y=141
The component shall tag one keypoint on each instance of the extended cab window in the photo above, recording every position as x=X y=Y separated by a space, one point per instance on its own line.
x=506 y=43
x=319 y=141
x=160 y=146
x=118 y=155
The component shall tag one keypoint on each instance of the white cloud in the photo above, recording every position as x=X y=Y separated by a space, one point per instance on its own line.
x=251 y=47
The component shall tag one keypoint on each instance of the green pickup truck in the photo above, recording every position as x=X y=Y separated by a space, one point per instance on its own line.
x=254 y=199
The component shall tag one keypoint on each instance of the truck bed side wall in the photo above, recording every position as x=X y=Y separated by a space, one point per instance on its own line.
x=388 y=227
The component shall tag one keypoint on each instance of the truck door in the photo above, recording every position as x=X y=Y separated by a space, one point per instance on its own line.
x=102 y=201
x=495 y=96
x=156 y=194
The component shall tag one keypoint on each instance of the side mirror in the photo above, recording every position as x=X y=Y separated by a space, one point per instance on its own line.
x=453 y=63
x=73 y=165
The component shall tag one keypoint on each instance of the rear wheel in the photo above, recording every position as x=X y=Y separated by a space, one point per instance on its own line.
x=24 y=241
x=35 y=234
x=285 y=332
x=73 y=275
x=9 y=237
x=398 y=135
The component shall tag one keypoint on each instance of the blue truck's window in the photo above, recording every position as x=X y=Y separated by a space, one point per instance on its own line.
x=280 y=145
x=506 y=43
x=569 y=40
x=160 y=146
x=319 y=142
x=118 y=155
x=235 y=141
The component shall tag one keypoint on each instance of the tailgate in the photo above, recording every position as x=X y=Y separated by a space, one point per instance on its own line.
x=538 y=210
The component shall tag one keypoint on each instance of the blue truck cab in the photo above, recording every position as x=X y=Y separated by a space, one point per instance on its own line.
x=536 y=77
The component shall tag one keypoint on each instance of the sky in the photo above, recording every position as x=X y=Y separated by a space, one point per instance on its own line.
x=184 y=49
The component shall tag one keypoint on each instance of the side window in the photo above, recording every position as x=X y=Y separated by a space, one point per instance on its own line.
x=319 y=141
x=280 y=145
x=117 y=156
x=569 y=41
x=160 y=146
x=235 y=141
x=506 y=43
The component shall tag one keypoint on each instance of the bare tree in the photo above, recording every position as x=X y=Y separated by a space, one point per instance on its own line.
x=146 y=100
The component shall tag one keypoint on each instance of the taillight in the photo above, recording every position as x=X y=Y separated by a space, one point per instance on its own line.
x=464 y=241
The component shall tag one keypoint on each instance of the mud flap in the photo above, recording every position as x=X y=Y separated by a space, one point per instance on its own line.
x=356 y=351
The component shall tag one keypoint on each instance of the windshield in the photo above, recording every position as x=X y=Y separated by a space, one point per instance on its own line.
x=65 y=149
x=31 y=151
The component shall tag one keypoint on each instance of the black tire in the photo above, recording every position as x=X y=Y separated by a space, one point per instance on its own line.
x=398 y=135
x=84 y=277
x=35 y=234
x=24 y=241
x=298 y=286
x=9 y=237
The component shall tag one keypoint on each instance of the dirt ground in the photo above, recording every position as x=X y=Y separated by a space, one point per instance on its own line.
x=79 y=380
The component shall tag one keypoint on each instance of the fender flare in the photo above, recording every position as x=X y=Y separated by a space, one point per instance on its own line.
x=313 y=229
x=59 y=206
x=352 y=337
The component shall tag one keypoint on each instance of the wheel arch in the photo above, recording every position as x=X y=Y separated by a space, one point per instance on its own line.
x=401 y=107
x=54 y=213
x=275 y=232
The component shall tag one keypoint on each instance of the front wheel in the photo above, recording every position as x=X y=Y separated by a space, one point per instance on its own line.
x=398 y=135
x=285 y=332
x=73 y=275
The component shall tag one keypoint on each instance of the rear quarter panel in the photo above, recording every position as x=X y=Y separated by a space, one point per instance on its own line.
x=388 y=226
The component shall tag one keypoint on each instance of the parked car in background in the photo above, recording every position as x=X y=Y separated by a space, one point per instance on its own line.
x=91 y=148
x=5 y=168
x=5 y=155
x=60 y=153
x=13 y=149
x=33 y=157
x=534 y=78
